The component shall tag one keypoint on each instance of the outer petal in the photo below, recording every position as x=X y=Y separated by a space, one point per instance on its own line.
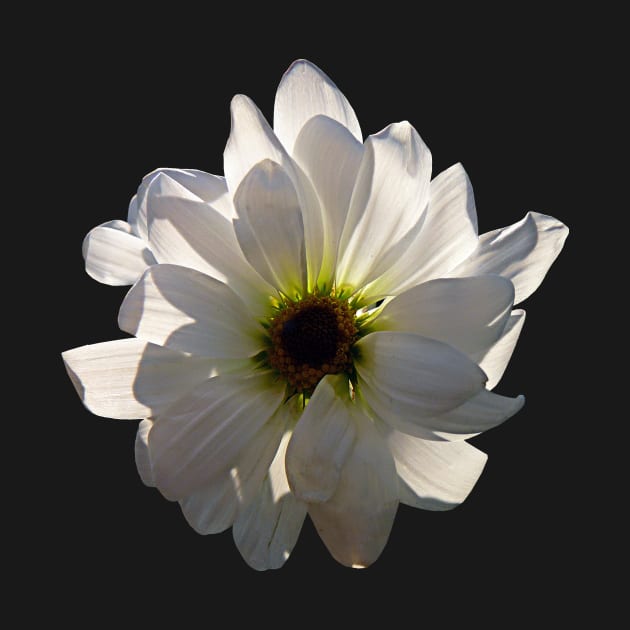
x=480 y=413
x=495 y=361
x=202 y=435
x=130 y=378
x=467 y=313
x=141 y=452
x=321 y=443
x=448 y=236
x=193 y=234
x=305 y=91
x=331 y=156
x=216 y=506
x=251 y=141
x=522 y=252
x=269 y=227
x=266 y=532
x=113 y=255
x=186 y=310
x=355 y=523
x=436 y=475
x=407 y=373
x=387 y=206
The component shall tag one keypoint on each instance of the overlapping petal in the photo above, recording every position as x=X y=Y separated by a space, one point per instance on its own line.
x=522 y=252
x=434 y=475
x=183 y=309
x=202 y=434
x=131 y=378
x=267 y=530
x=390 y=197
x=321 y=443
x=114 y=255
x=469 y=314
x=270 y=229
x=304 y=92
x=356 y=521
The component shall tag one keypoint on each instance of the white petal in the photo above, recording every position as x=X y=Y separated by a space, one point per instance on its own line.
x=113 y=255
x=321 y=443
x=495 y=361
x=141 y=451
x=522 y=252
x=269 y=227
x=405 y=373
x=193 y=234
x=480 y=413
x=172 y=183
x=330 y=156
x=467 y=313
x=130 y=378
x=251 y=141
x=305 y=91
x=185 y=310
x=387 y=205
x=205 y=186
x=436 y=475
x=448 y=235
x=266 y=532
x=355 y=523
x=216 y=506
x=202 y=435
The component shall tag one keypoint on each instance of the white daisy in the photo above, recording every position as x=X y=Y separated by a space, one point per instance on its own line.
x=318 y=332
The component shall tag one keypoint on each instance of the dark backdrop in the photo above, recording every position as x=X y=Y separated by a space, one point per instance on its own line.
x=117 y=100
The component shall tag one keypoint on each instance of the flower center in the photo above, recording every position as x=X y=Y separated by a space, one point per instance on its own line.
x=310 y=338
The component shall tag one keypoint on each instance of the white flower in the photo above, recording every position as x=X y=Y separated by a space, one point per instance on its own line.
x=317 y=332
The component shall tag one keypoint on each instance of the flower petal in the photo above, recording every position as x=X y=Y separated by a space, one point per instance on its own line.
x=321 y=443
x=480 y=413
x=436 y=475
x=330 y=156
x=193 y=234
x=305 y=91
x=251 y=141
x=387 y=205
x=494 y=361
x=269 y=227
x=355 y=523
x=267 y=530
x=141 y=451
x=448 y=236
x=522 y=252
x=177 y=180
x=202 y=435
x=130 y=378
x=405 y=373
x=216 y=506
x=467 y=313
x=115 y=256
x=186 y=310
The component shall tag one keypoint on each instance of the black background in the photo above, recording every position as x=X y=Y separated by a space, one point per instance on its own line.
x=512 y=100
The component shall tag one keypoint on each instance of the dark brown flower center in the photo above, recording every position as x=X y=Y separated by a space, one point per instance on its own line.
x=311 y=338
